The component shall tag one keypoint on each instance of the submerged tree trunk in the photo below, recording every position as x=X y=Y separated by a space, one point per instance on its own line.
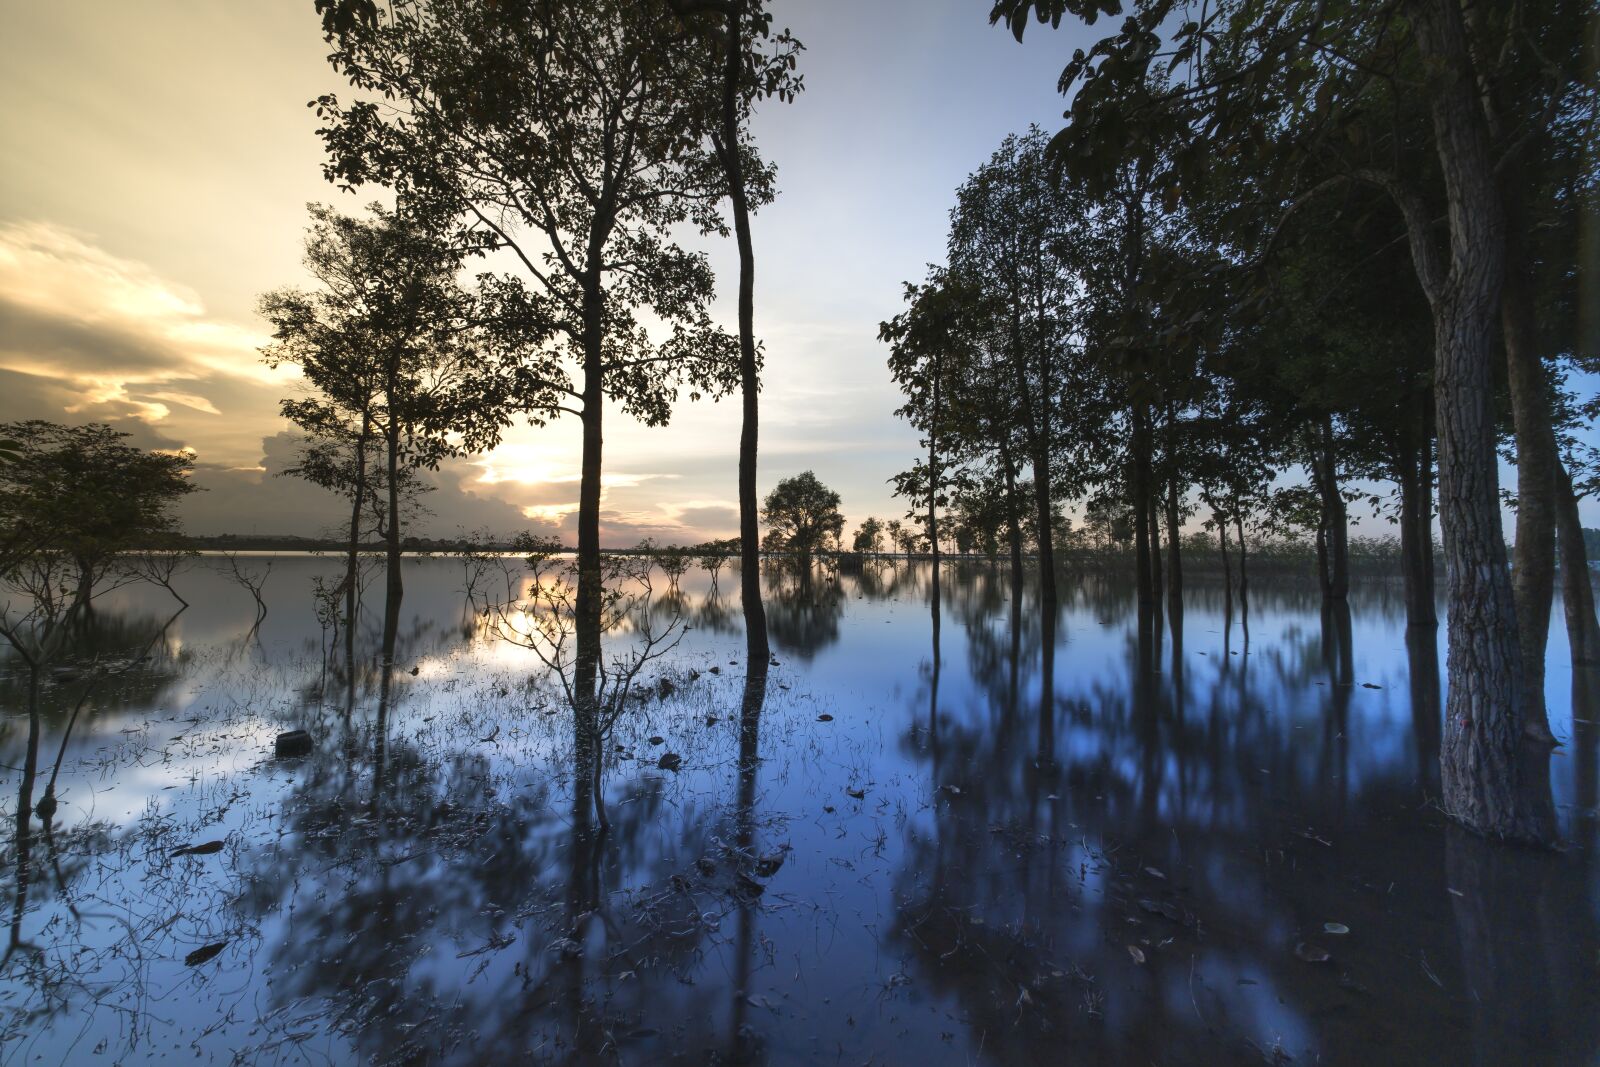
x=1334 y=526
x=1244 y=570
x=1480 y=773
x=1227 y=568
x=587 y=608
x=1577 y=589
x=1045 y=541
x=22 y=858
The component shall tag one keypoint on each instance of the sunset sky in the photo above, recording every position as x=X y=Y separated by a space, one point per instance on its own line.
x=159 y=156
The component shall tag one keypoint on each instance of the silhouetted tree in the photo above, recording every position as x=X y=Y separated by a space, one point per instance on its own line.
x=802 y=515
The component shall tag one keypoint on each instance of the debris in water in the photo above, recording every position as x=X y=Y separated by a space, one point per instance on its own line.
x=201 y=955
x=292 y=745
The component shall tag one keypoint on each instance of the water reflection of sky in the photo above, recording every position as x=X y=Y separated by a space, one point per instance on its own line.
x=1124 y=870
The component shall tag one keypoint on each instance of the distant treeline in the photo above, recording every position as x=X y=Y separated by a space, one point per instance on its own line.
x=1368 y=555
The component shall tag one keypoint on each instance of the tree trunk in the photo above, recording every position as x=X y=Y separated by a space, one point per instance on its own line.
x=1045 y=541
x=1533 y=576
x=394 y=586
x=757 y=648
x=933 y=506
x=1414 y=475
x=352 y=567
x=1577 y=589
x=1335 y=524
x=586 y=669
x=1244 y=571
x=1227 y=567
x=1138 y=498
x=1174 y=551
x=1480 y=773
x=1152 y=503
x=1013 y=525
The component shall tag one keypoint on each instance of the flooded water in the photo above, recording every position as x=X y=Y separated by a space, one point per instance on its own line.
x=976 y=838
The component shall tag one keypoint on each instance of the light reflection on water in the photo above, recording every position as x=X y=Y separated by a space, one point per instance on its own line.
x=1022 y=847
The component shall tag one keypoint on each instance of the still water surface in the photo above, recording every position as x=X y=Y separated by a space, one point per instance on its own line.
x=970 y=842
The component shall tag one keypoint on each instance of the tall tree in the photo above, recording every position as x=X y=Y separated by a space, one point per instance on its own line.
x=753 y=64
x=390 y=345
x=1011 y=230
x=570 y=137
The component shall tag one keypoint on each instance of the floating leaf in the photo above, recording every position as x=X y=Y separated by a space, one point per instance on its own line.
x=669 y=761
x=824 y=717
x=1136 y=953
x=1310 y=953
x=201 y=955
x=1336 y=929
x=209 y=848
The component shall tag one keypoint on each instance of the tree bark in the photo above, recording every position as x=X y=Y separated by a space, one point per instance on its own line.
x=1480 y=773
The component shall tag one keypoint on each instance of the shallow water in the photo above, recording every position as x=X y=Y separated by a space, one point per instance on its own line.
x=1004 y=845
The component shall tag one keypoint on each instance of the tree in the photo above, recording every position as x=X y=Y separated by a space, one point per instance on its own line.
x=1011 y=230
x=82 y=492
x=739 y=33
x=74 y=501
x=391 y=345
x=868 y=539
x=571 y=137
x=802 y=514
x=1281 y=84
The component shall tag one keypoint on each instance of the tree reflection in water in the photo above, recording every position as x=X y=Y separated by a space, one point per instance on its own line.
x=994 y=839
